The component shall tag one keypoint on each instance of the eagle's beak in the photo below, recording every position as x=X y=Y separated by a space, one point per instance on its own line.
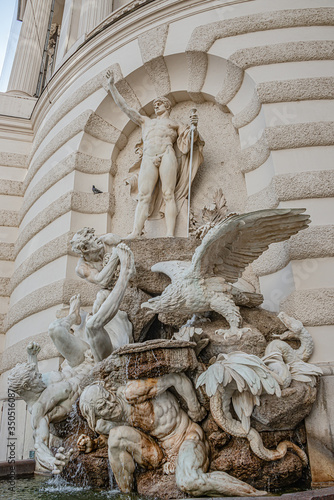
x=145 y=305
x=150 y=303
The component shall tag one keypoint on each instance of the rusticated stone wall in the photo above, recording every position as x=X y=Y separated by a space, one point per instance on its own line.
x=262 y=78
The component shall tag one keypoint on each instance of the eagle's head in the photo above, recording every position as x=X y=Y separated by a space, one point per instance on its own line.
x=168 y=301
x=154 y=304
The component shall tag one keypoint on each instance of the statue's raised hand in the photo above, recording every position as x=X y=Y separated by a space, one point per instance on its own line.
x=127 y=259
x=110 y=77
x=33 y=348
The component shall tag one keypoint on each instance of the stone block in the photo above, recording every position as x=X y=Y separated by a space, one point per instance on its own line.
x=320 y=432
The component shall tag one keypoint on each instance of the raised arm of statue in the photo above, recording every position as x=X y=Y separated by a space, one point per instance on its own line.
x=41 y=438
x=33 y=349
x=43 y=453
x=134 y=116
x=138 y=391
x=109 y=239
x=91 y=274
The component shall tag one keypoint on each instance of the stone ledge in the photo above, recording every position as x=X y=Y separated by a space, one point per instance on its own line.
x=22 y=468
x=17 y=353
x=7 y=251
x=77 y=161
x=70 y=103
x=87 y=121
x=317 y=494
x=58 y=292
x=13 y=160
x=283 y=52
x=9 y=218
x=73 y=200
x=297 y=135
x=4 y=287
x=11 y=188
x=284 y=91
x=312 y=307
x=46 y=254
x=203 y=37
x=317 y=184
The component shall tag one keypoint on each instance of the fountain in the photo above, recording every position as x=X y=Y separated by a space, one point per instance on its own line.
x=196 y=395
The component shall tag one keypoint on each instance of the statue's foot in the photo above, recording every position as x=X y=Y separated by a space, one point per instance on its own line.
x=75 y=303
x=126 y=259
x=232 y=332
x=133 y=235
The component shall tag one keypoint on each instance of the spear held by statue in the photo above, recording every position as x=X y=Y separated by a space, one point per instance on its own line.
x=193 y=127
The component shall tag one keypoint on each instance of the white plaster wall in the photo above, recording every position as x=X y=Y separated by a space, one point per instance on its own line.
x=301 y=160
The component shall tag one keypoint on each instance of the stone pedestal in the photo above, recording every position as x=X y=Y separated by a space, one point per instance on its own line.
x=320 y=430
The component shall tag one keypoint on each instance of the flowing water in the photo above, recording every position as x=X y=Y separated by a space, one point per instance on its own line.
x=44 y=488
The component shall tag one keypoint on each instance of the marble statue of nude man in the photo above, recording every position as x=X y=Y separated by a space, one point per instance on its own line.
x=147 y=426
x=92 y=330
x=159 y=161
x=49 y=397
x=98 y=260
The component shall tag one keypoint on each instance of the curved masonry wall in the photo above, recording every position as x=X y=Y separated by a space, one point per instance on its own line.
x=265 y=63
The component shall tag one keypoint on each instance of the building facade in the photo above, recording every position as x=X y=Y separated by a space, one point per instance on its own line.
x=260 y=74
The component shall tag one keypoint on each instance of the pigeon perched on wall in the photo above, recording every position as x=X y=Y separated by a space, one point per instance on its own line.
x=95 y=190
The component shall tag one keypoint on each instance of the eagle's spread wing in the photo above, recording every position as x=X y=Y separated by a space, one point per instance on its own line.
x=237 y=241
x=172 y=268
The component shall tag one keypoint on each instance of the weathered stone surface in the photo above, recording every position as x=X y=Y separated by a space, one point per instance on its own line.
x=217 y=437
x=158 y=250
x=287 y=411
x=83 y=469
x=238 y=460
x=156 y=484
x=252 y=342
x=141 y=319
x=175 y=319
x=267 y=322
x=89 y=469
x=152 y=358
x=320 y=431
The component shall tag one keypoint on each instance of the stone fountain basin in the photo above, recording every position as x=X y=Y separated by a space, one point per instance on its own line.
x=153 y=358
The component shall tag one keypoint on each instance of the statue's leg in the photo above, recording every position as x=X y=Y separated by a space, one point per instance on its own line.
x=100 y=298
x=126 y=447
x=98 y=337
x=224 y=304
x=168 y=176
x=148 y=177
x=69 y=346
x=190 y=473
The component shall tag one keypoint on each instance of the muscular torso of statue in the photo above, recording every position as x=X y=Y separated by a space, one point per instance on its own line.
x=160 y=417
x=158 y=134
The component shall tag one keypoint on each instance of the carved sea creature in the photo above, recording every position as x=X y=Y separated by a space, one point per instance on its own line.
x=281 y=357
x=206 y=283
x=240 y=379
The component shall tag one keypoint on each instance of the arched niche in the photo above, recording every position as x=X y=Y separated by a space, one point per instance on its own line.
x=221 y=166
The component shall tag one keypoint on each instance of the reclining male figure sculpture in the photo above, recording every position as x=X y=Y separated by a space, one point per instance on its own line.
x=171 y=438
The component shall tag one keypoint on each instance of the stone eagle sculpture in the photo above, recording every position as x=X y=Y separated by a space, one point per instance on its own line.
x=206 y=283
